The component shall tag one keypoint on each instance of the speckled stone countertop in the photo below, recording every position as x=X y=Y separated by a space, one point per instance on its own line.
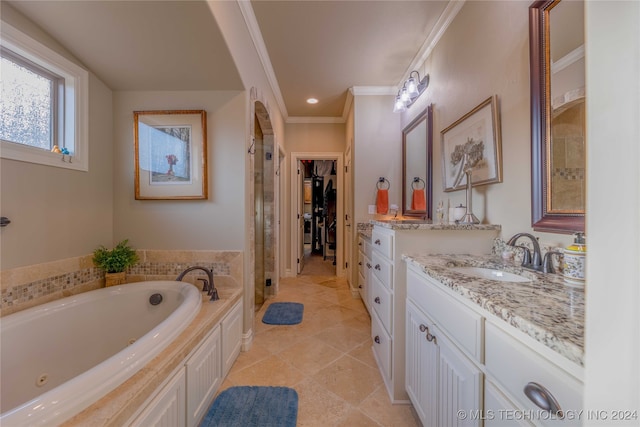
x=545 y=308
x=364 y=229
x=413 y=224
x=118 y=406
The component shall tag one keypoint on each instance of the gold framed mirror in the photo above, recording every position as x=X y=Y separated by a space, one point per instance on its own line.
x=558 y=121
x=417 y=149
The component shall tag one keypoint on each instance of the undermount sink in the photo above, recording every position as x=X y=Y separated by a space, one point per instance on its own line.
x=491 y=274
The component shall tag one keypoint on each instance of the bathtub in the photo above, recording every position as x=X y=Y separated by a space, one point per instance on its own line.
x=60 y=357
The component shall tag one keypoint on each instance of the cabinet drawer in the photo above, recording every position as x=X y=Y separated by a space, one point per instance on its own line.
x=381 y=347
x=382 y=269
x=514 y=365
x=382 y=301
x=382 y=242
x=459 y=322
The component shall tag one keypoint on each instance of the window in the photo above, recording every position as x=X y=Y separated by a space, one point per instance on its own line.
x=43 y=104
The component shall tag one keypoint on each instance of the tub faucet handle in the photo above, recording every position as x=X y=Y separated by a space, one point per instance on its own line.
x=205 y=284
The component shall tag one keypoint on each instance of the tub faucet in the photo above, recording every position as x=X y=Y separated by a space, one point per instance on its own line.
x=208 y=287
x=534 y=262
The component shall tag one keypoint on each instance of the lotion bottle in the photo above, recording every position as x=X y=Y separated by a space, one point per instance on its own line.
x=574 y=264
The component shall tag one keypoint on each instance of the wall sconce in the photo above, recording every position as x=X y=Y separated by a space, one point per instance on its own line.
x=411 y=90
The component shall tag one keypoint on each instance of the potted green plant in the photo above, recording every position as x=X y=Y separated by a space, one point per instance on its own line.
x=115 y=262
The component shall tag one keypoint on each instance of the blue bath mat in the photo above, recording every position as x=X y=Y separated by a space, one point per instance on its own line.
x=283 y=313
x=253 y=407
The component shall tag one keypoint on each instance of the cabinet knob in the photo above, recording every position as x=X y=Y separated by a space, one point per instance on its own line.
x=377 y=267
x=377 y=242
x=377 y=339
x=359 y=243
x=543 y=399
x=360 y=286
x=369 y=265
x=377 y=300
x=359 y=263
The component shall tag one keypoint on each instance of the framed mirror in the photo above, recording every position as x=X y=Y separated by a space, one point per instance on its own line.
x=417 y=147
x=558 y=126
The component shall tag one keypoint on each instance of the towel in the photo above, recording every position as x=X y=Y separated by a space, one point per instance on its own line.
x=382 y=201
x=418 y=201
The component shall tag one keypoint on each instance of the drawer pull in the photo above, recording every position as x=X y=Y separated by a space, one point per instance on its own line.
x=359 y=263
x=360 y=286
x=543 y=399
x=377 y=300
x=359 y=243
x=377 y=267
x=431 y=337
x=423 y=328
x=368 y=265
x=377 y=242
x=377 y=339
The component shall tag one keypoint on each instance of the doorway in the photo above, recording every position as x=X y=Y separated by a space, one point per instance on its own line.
x=317 y=202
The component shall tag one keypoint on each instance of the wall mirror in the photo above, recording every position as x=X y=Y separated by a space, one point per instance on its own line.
x=416 y=166
x=558 y=138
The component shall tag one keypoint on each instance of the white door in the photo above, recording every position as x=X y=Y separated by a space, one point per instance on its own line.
x=300 y=216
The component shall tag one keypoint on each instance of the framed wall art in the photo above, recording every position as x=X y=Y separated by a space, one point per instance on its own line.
x=476 y=137
x=170 y=154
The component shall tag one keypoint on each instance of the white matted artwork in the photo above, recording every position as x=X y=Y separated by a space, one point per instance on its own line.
x=476 y=135
x=170 y=154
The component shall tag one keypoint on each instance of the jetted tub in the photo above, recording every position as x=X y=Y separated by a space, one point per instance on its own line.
x=58 y=358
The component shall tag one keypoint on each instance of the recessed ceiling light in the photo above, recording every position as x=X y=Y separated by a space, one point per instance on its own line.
x=312 y=101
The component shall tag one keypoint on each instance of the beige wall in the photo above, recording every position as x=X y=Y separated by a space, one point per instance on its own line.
x=59 y=213
x=184 y=224
x=377 y=152
x=485 y=52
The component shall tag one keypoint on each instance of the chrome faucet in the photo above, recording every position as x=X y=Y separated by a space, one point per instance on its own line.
x=532 y=262
x=208 y=286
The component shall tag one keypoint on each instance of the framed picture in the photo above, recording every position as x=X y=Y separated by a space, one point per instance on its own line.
x=476 y=137
x=170 y=154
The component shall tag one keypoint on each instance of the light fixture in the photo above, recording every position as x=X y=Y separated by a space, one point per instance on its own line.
x=312 y=101
x=410 y=91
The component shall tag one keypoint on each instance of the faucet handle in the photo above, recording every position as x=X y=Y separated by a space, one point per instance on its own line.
x=205 y=284
x=526 y=255
x=547 y=265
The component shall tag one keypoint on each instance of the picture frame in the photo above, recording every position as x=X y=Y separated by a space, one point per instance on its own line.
x=170 y=154
x=478 y=134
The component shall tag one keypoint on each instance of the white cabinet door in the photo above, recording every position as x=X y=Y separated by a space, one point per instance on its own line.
x=204 y=375
x=421 y=368
x=167 y=408
x=459 y=385
x=231 y=337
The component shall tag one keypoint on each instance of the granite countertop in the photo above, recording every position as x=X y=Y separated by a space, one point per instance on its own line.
x=415 y=224
x=546 y=308
x=118 y=406
x=364 y=229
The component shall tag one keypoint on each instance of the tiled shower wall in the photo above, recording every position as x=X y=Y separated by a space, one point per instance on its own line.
x=25 y=287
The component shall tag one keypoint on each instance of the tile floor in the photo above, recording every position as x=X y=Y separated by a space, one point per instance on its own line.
x=327 y=358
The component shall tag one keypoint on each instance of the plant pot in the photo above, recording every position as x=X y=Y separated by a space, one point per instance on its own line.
x=114 y=279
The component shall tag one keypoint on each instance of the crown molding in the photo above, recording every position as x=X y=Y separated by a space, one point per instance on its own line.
x=445 y=19
x=303 y=119
x=256 y=36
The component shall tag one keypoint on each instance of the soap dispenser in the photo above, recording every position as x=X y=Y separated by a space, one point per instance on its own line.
x=574 y=264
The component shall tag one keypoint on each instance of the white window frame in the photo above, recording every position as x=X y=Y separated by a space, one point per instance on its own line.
x=75 y=108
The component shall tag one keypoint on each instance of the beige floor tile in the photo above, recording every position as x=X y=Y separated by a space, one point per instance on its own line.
x=279 y=338
x=310 y=355
x=379 y=407
x=270 y=371
x=356 y=418
x=350 y=379
x=364 y=353
x=343 y=338
x=256 y=354
x=318 y=407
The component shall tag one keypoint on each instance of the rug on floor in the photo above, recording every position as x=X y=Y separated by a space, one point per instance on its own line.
x=283 y=313
x=251 y=406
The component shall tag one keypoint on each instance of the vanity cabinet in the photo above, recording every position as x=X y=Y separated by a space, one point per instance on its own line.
x=461 y=359
x=388 y=286
x=185 y=398
x=364 y=271
x=441 y=379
